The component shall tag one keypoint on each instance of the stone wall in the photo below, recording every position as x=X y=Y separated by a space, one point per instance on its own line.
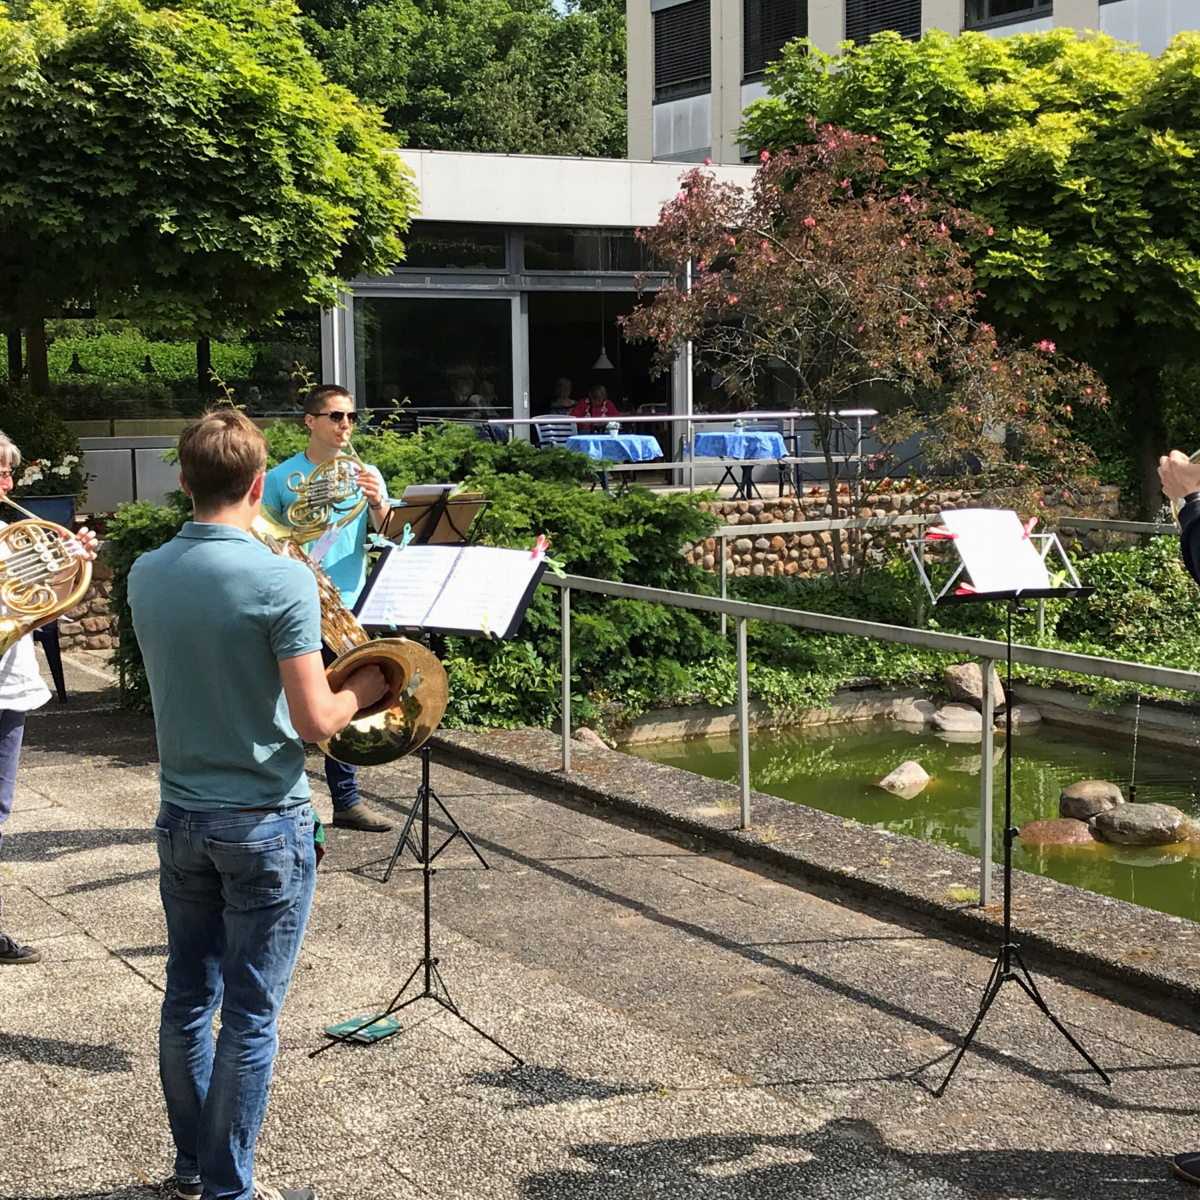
x=88 y=626
x=811 y=554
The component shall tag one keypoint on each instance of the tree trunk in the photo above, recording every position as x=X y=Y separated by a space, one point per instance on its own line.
x=204 y=379
x=35 y=357
x=1145 y=399
x=15 y=366
x=825 y=440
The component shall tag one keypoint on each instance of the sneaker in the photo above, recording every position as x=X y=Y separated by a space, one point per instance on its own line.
x=362 y=818
x=264 y=1191
x=1187 y=1166
x=187 y=1189
x=12 y=952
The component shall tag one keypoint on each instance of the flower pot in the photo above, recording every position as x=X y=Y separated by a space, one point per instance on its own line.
x=59 y=509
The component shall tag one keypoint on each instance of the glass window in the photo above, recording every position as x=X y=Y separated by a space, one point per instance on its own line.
x=865 y=17
x=446 y=357
x=682 y=54
x=986 y=12
x=438 y=245
x=768 y=26
x=586 y=250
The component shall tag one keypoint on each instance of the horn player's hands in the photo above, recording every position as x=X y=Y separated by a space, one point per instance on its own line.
x=372 y=487
x=1179 y=476
x=83 y=544
x=367 y=685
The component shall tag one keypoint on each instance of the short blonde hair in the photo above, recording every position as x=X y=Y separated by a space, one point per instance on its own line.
x=220 y=455
x=10 y=456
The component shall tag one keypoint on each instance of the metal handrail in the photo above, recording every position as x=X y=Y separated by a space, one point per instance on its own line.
x=987 y=651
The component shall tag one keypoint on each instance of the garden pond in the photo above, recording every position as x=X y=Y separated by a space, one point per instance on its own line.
x=836 y=768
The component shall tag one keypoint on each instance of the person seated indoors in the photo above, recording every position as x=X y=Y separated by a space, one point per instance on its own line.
x=562 y=404
x=596 y=405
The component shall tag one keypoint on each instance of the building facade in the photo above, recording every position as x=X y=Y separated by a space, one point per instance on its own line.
x=694 y=65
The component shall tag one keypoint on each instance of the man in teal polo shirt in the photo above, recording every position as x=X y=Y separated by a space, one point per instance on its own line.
x=231 y=637
x=330 y=416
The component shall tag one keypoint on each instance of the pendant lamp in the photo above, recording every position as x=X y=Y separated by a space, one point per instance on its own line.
x=603 y=363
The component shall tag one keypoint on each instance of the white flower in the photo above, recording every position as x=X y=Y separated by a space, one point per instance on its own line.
x=70 y=460
x=65 y=469
x=32 y=475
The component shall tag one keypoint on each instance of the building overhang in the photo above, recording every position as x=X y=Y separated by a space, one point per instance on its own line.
x=529 y=189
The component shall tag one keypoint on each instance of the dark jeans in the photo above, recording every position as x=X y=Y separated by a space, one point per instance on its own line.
x=343 y=784
x=236 y=888
x=12 y=729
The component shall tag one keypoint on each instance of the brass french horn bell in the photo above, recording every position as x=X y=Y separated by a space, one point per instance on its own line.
x=40 y=576
x=1177 y=503
x=418 y=690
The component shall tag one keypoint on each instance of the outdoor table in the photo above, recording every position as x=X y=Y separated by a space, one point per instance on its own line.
x=615 y=447
x=765 y=443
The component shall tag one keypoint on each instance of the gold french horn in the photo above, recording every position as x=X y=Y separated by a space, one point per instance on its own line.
x=321 y=498
x=1177 y=503
x=41 y=577
x=418 y=690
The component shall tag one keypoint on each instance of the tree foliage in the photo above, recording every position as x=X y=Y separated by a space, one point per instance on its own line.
x=1080 y=152
x=512 y=76
x=822 y=275
x=189 y=167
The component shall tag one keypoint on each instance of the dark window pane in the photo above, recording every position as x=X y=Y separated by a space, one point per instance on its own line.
x=681 y=50
x=434 y=244
x=587 y=250
x=768 y=26
x=865 y=17
x=444 y=356
x=982 y=12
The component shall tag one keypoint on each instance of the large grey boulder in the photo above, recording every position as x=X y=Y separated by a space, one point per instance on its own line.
x=906 y=781
x=958 y=718
x=589 y=737
x=964 y=681
x=1057 y=831
x=1142 y=825
x=914 y=712
x=1024 y=717
x=1088 y=798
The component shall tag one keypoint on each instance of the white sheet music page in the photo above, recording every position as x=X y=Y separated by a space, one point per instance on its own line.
x=997 y=554
x=484 y=590
x=406 y=585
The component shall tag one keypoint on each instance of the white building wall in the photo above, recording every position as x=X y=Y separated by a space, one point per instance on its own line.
x=1035 y=26
x=1077 y=14
x=1149 y=23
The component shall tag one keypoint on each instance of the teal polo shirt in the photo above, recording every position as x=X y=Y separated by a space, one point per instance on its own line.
x=345 y=562
x=215 y=612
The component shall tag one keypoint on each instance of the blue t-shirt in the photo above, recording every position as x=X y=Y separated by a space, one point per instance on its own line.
x=345 y=562
x=215 y=612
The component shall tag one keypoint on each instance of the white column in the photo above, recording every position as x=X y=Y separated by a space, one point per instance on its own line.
x=827 y=23
x=725 y=37
x=1077 y=14
x=520 y=361
x=639 y=74
x=946 y=15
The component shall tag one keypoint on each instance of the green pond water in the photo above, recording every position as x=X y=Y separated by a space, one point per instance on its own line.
x=835 y=770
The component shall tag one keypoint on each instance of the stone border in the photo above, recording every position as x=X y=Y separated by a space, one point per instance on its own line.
x=1156 y=954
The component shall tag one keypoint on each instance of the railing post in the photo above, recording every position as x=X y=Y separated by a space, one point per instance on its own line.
x=723 y=547
x=1041 y=618
x=743 y=721
x=986 y=742
x=566 y=680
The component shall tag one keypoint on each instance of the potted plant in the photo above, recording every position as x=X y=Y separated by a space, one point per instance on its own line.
x=50 y=489
x=50 y=480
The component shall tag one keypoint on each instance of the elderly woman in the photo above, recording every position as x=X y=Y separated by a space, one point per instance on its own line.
x=21 y=690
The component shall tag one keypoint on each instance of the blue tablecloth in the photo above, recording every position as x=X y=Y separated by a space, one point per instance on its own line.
x=624 y=447
x=764 y=444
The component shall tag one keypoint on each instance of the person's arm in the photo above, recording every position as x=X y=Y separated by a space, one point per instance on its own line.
x=374 y=490
x=317 y=712
x=1181 y=479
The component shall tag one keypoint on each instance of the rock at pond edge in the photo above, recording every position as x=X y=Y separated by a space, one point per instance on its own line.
x=1057 y=831
x=906 y=781
x=1088 y=798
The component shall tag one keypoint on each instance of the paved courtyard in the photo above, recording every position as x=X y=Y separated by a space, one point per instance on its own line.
x=690 y=1027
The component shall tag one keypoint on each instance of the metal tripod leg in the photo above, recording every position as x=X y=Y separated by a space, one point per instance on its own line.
x=406 y=838
x=457 y=832
x=989 y=998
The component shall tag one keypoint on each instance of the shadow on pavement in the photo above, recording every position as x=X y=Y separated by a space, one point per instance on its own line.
x=49 y=845
x=843 y=1160
x=535 y=1086
x=83 y=1056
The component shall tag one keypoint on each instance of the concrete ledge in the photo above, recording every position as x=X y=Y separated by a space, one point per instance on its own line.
x=1152 y=952
x=1173 y=723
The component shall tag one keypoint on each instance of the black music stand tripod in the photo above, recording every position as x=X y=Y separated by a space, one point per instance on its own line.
x=434 y=986
x=1009 y=966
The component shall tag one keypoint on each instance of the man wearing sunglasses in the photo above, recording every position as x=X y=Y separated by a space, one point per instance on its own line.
x=330 y=417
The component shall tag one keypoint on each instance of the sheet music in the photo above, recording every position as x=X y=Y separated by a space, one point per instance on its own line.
x=995 y=550
x=484 y=591
x=406 y=585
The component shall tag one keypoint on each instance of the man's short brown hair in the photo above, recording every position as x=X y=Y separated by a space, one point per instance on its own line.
x=220 y=455
x=314 y=400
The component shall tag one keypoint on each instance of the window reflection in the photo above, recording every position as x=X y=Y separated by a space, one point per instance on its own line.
x=438 y=245
x=448 y=357
x=588 y=250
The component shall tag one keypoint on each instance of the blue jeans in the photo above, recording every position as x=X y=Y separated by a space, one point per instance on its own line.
x=236 y=887
x=12 y=730
x=343 y=784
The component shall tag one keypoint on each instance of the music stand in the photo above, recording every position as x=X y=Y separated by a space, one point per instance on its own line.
x=972 y=550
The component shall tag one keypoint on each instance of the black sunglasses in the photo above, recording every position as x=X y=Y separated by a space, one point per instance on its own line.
x=338 y=417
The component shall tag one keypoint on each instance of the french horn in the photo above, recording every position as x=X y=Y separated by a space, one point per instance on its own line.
x=418 y=690
x=1177 y=503
x=41 y=576
x=321 y=499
